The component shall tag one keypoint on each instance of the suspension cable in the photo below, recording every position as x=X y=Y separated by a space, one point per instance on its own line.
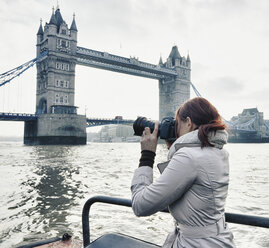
x=13 y=73
x=195 y=90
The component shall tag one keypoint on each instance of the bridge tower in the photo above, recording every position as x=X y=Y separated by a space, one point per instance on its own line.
x=174 y=91
x=58 y=122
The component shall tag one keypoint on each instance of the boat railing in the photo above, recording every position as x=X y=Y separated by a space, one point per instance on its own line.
x=242 y=219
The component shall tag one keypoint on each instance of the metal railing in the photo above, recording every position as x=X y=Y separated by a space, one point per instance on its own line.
x=230 y=217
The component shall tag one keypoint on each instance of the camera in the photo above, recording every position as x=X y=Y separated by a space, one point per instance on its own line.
x=166 y=128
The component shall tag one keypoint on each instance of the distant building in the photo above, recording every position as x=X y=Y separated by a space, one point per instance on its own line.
x=249 y=126
x=116 y=133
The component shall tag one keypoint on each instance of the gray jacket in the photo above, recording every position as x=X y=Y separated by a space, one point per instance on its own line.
x=194 y=186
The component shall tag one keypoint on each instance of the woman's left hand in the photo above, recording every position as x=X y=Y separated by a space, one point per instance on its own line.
x=149 y=140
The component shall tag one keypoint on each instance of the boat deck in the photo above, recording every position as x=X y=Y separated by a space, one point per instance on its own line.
x=116 y=240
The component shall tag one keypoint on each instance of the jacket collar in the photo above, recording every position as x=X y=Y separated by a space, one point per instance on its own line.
x=218 y=139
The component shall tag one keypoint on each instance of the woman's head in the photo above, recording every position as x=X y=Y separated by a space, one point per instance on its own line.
x=198 y=113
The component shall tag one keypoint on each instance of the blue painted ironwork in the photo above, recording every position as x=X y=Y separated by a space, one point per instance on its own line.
x=133 y=66
x=11 y=74
x=17 y=117
x=92 y=122
x=266 y=122
x=195 y=90
x=230 y=217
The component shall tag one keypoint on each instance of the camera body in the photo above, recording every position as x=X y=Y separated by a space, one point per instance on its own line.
x=166 y=127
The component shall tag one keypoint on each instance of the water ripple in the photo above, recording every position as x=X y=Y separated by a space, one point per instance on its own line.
x=43 y=189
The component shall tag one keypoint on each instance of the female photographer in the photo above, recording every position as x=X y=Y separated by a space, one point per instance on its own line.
x=194 y=185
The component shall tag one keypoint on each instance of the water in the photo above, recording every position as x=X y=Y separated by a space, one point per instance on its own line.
x=43 y=189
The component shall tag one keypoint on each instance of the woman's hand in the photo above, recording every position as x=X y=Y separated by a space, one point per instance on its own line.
x=149 y=140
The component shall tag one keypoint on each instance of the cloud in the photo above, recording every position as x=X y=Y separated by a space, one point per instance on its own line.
x=227 y=41
x=228 y=85
x=222 y=87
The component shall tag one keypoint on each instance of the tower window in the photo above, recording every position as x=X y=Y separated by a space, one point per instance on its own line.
x=63 y=31
x=57 y=98
x=62 y=66
x=63 y=43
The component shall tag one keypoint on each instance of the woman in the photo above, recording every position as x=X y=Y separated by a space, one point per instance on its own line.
x=194 y=185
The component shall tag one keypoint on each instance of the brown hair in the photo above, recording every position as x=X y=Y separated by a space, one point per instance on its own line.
x=204 y=115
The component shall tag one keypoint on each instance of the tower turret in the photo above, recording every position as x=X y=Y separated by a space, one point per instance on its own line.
x=58 y=16
x=53 y=19
x=73 y=25
x=73 y=29
x=188 y=61
x=174 y=57
x=39 y=38
x=161 y=61
x=40 y=32
x=51 y=27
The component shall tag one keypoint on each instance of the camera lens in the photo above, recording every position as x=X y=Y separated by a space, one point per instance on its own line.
x=140 y=124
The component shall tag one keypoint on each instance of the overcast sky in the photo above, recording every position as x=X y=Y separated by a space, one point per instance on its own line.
x=227 y=41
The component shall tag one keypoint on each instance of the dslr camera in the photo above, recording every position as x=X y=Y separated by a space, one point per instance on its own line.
x=166 y=128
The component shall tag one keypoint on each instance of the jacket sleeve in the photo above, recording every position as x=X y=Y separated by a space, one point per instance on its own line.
x=149 y=197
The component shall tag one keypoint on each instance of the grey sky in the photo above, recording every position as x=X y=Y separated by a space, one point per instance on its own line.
x=227 y=41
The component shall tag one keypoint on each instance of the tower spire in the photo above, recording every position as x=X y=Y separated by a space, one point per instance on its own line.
x=174 y=53
x=188 y=57
x=161 y=60
x=73 y=25
x=40 y=30
x=53 y=19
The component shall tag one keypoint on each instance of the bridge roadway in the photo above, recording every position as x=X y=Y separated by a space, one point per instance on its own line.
x=99 y=122
x=17 y=117
x=91 y=122
x=133 y=66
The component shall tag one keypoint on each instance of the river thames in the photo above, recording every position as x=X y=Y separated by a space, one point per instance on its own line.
x=43 y=189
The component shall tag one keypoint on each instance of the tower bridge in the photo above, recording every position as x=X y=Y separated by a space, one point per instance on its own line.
x=56 y=71
x=248 y=126
x=56 y=120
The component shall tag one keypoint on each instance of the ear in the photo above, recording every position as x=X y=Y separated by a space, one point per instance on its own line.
x=190 y=124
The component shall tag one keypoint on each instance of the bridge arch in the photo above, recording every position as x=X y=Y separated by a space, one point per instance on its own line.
x=42 y=106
